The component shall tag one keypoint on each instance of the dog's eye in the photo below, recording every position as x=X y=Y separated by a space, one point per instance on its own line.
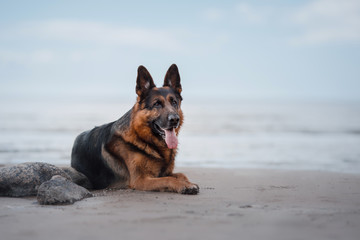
x=157 y=104
x=174 y=103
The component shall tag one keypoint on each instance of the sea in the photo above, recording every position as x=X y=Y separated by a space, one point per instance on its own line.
x=289 y=135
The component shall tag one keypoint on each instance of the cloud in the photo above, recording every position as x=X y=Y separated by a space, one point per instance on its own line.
x=213 y=14
x=310 y=23
x=251 y=14
x=327 y=21
x=240 y=13
x=57 y=41
x=97 y=33
x=40 y=56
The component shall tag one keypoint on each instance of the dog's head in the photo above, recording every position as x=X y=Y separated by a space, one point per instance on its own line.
x=159 y=114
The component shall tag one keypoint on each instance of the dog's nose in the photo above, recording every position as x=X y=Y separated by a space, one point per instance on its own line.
x=173 y=119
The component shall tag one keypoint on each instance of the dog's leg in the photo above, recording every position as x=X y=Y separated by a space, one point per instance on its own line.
x=180 y=176
x=170 y=184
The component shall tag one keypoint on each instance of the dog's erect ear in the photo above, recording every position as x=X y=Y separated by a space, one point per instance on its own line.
x=172 y=78
x=144 y=82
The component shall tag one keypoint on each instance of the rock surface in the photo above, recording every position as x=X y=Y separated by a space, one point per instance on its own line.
x=77 y=177
x=60 y=190
x=24 y=179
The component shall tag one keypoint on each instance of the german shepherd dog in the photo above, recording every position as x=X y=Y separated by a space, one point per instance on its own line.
x=138 y=150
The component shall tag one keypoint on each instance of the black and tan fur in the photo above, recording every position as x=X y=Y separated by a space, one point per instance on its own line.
x=131 y=152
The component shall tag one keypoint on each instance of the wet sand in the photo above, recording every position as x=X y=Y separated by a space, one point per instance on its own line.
x=232 y=204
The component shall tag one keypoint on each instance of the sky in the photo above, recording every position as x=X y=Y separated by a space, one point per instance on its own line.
x=262 y=50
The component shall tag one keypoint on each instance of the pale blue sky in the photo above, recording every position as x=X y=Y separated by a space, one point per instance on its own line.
x=224 y=49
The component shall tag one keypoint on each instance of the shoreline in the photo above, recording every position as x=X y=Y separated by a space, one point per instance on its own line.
x=232 y=204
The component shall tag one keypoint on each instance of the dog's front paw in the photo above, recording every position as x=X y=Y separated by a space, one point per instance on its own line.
x=191 y=189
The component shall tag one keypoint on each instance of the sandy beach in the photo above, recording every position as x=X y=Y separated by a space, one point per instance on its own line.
x=232 y=204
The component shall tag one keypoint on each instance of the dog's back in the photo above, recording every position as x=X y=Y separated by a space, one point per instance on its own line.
x=87 y=158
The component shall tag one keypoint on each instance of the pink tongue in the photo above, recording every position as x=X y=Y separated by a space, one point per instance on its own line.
x=171 y=138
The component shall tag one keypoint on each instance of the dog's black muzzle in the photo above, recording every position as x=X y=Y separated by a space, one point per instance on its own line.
x=167 y=123
x=173 y=120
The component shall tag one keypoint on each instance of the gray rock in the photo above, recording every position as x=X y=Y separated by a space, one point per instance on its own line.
x=77 y=177
x=24 y=179
x=60 y=190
